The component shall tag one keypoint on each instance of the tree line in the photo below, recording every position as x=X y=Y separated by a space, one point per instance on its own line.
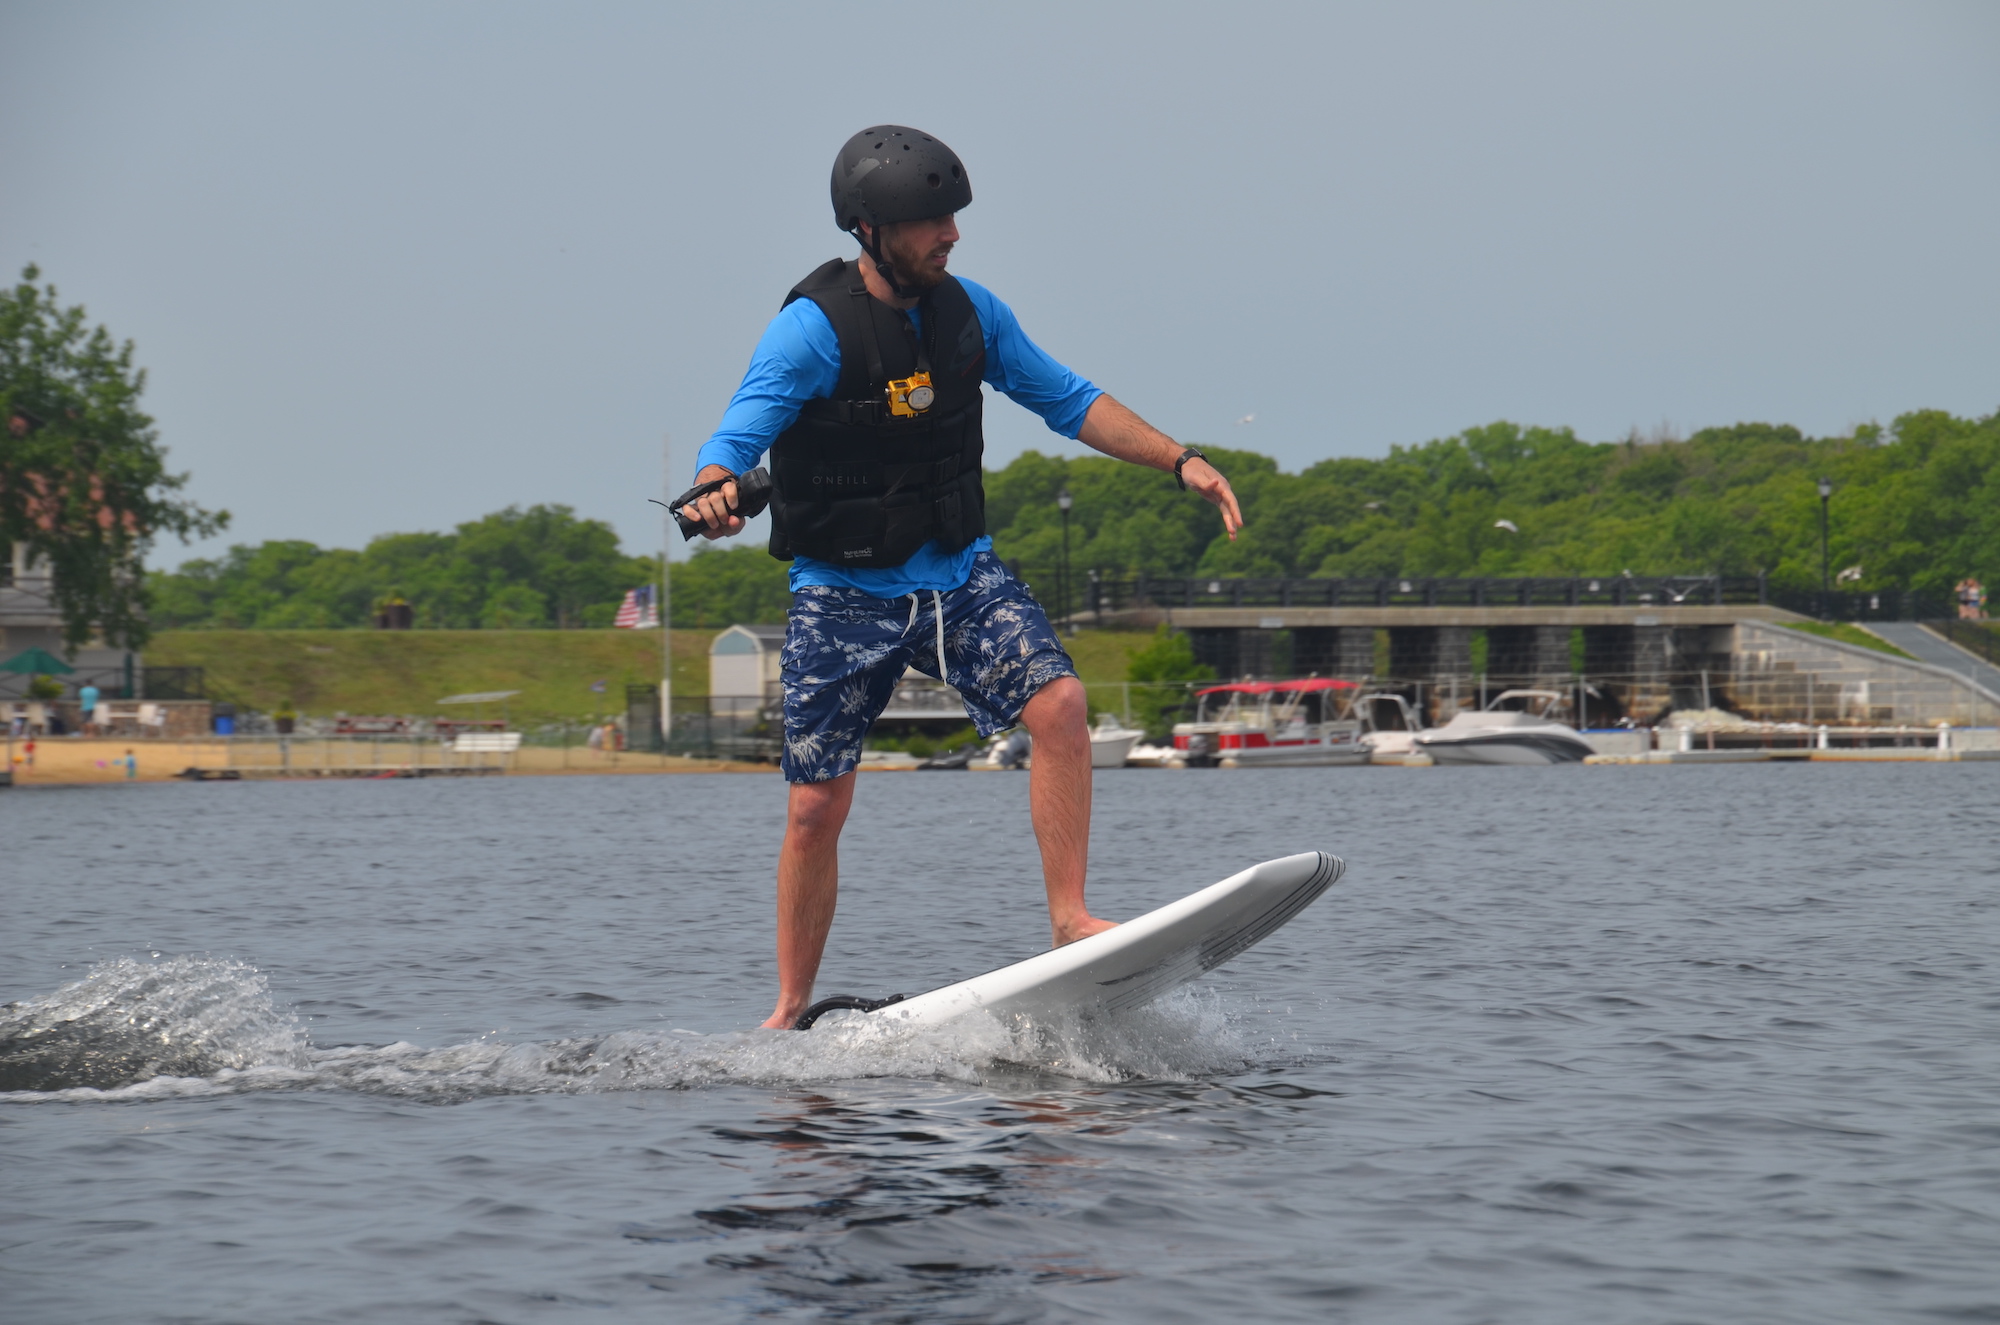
x=1915 y=505
x=542 y=568
x=84 y=484
x=512 y=570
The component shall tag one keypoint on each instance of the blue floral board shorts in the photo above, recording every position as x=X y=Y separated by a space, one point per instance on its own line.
x=845 y=650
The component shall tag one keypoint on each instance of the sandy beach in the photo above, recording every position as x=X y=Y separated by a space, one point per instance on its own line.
x=67 y=761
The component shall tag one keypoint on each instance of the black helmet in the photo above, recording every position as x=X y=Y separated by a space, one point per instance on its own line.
x=891 y=173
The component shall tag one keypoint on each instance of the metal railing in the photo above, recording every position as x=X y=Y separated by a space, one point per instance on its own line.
x=698 y=734
x=1098 y=593
x=1972 y=636
x=321 y=755
x=1875 y=605
x=111 y=682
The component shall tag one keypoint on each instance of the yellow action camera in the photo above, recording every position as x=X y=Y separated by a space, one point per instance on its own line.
x=911 y=396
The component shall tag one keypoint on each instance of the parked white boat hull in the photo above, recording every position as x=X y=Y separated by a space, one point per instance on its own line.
x=1517 y=747
x=1504 y=736
x=1296 y=756
x=1111 y=749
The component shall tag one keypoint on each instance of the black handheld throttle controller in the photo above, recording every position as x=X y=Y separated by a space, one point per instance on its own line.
x=753 y=494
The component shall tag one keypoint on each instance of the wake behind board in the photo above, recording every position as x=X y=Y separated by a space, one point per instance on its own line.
x=1141 y=959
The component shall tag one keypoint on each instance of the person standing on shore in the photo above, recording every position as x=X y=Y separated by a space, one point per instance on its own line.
x=86 y=702
x=867 y=389
x=1971 y=596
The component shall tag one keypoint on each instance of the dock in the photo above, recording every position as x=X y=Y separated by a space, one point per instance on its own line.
x=1879 y=755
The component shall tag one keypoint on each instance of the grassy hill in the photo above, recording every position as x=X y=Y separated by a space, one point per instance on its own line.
x=408 y=671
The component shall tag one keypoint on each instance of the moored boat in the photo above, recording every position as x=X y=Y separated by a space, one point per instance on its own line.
x=1516 y=728
x=1145 y=755
x=1389 y=727
x=1271 y=724
x=1111 y=742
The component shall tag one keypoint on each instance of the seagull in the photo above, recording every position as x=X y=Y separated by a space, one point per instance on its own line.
x=1508 y=525
x=1251 y=417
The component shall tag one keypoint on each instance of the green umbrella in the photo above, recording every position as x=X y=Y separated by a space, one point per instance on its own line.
x=35 y=662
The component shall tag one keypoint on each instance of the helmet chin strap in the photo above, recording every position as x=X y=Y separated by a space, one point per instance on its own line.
x=885 y=268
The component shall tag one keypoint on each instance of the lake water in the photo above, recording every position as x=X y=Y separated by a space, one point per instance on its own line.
x=1564 y=1045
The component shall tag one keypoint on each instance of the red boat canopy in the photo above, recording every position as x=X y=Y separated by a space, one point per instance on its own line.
x=1279 y=687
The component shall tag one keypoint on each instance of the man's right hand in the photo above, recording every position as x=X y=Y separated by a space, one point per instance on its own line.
x=716 y=511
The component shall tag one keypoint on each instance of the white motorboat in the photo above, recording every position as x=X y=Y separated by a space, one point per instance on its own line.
x=1111 y=742
x=1272 y=724
x=1009 y=750
x=1145 y=755
x=1516 y=728
x=1389 y=728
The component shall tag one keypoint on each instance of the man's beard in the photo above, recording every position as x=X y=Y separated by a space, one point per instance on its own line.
x=909 y=266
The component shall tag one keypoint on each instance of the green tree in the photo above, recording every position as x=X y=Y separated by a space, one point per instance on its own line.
x=514 y=569
x=1916 y=505
x=569 y=563
x=723 y=586
x=83 y=478
x=1161 y=671
x=514 y=607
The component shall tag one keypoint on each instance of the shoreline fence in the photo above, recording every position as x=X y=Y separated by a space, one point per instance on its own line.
x=1096 y=594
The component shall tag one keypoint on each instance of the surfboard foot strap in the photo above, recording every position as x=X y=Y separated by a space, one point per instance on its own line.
x=839 y=1001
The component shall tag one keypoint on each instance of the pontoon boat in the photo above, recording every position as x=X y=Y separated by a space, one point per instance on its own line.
x=1268 y=724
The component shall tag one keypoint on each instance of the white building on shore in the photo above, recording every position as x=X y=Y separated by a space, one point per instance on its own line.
x=29 y=620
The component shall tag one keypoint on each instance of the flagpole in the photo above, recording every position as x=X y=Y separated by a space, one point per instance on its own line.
x=666 y=582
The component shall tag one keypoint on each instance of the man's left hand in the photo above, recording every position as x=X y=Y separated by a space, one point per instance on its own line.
x=1202 y=477
x=1111 y=428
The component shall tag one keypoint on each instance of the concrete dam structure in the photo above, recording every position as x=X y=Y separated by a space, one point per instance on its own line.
x=1634 y=649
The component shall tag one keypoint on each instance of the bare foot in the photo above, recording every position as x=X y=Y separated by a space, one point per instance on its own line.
x=1082 y=930
x=781 y=1020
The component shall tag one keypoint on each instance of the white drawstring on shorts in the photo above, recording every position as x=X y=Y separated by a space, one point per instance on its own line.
x=937 y=611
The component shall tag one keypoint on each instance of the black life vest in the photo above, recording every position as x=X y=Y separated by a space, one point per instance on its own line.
x=857 y=486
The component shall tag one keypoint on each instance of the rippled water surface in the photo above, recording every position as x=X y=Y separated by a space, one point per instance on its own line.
x=1564 y=1045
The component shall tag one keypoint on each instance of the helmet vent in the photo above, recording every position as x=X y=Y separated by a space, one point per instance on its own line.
x=935 y=182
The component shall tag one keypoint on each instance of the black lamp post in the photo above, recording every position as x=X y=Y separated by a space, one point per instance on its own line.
x=1825 y=566
x=1063 y=502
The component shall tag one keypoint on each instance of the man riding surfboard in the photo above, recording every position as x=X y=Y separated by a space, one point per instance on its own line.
x=867 y=389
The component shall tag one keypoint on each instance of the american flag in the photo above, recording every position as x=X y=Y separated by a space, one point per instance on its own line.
x=640 y=610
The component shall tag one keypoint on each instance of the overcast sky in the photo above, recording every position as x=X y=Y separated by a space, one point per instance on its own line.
x=394 y=266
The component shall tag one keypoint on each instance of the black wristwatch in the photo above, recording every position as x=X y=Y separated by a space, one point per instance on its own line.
x=1190 y=453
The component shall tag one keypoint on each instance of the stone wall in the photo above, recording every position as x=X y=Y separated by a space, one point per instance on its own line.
x=1782 y=675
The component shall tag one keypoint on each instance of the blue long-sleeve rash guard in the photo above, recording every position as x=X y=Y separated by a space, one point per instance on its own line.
x=798 y=359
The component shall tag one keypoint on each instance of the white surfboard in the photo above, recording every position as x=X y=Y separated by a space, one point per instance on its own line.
x=1142 y=958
